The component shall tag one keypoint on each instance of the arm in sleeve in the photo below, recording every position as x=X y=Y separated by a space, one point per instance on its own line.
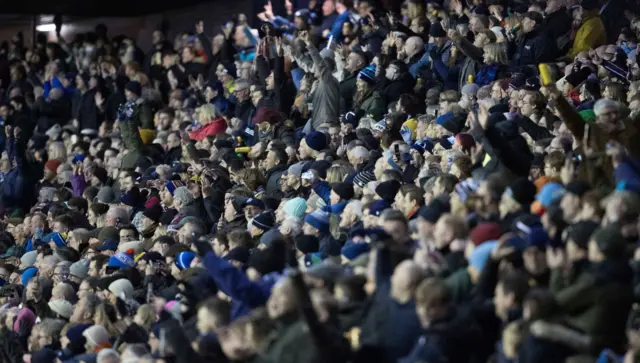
x=323 y=189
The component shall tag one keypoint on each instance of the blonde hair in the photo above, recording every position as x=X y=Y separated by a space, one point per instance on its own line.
x=337 y=173
x=513 y=20
x=415 y=9
x=58 y=151
x=147 y=316
x=496 y=52
x=207 y=113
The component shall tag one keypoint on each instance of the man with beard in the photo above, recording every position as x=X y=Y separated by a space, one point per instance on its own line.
x=367 y=101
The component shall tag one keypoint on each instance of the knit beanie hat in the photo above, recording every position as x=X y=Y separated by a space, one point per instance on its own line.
x=61 y=307
x=436 y=31
x=316 y=140
x=319 y=220
x=295 y=207
x=134 y=87
x=121 y=260
x=522 y=191
x=480 y=255
x=269 y=115
x=154 y=213
x=29 y=258
x=52 y=165
x=183 y=196
x=470 y=89
x=109 y=233
x=265 y=262
x=80 y=269
x=485 y=232
x=352 y=250
x=452 y=123
x=264 y=221
x=343 y=190
x=580 y=233
x=387 y=190
x=432 y=212
x=378 y=206
x=96 y=335
x=122 y=288
x=106 y=195
x=74 y=334
x=368 y=74
x=610 y=242
x=184 y=259
x=28 y=274
x=172 y=185
x=307 y=244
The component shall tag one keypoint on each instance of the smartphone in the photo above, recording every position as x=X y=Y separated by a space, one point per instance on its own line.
x=396 y=150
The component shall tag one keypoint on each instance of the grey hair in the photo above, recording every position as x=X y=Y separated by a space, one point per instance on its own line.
x=602 y=104
x=51 y=327
x=117 y=212
x=295 y=224
x=361 y=152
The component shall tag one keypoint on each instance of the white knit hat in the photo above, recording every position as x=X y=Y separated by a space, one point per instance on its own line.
x=122 y=288
x=61 y=307
x=96 y=335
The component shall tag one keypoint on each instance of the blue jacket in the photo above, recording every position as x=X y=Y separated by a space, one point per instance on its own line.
x=246 y=295
x=627 y=174
x=336 y=28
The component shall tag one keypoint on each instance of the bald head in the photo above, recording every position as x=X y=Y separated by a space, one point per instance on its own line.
x=413 y=45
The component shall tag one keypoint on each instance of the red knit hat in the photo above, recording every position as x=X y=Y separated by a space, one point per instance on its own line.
x=267 y=114
x=52 y=165
x=485 y=232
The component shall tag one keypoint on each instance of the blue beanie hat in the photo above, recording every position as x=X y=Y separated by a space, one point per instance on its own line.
x=319 y=220
x=368 y=74
x=480 y=254
x=56 y=238
x=121 y=260
x=377 y=207
x=295 y=207
x=27 y=274
x=75 y=332
x=184 y=259
x=538 y=238
x=173 y=185
x=316 y=140
x=353 y=250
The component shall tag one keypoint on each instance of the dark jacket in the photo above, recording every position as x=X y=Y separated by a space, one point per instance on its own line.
x=18 y=188
x=51 y=112
x=273 y=180
x=347 y=90
x=392 y=90
x=532 y=49
x=453 y=338
x=599 y=302
x=557 y=28
x=373 y=106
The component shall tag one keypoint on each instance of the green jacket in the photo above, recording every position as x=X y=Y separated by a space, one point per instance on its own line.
x=142 y=118
x=374 y=106
x=460 y=284
x=293 y=344
x=598 y=308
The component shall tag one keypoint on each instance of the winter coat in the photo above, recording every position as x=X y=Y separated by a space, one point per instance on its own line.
x=373 y=106
x=532 y=49
x=453 y=338
x=598 y=303
x=18 y=188
x=273 y=180
x=598 y=174
x=347 y=90
x=460 y=284
x=48 y=113
x=557 y=28
x=380 y=329
x=246 y=295
x=392 y=90
x=590 y=35
x=212 y=128
x=326 y=97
